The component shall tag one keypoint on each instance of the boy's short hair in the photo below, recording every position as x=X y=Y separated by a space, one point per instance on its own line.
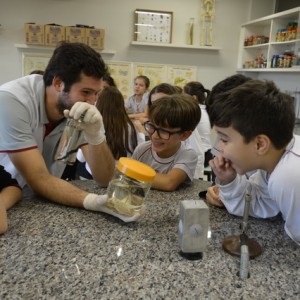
x=175 y=111
x=253 y=108
x=225 y=85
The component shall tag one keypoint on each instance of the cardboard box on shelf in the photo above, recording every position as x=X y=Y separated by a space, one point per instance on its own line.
x=54 y=34
x=95 y=38
x=75 y=34
x=34 y=33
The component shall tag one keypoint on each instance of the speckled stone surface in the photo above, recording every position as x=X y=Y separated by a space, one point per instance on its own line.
x=58 y=252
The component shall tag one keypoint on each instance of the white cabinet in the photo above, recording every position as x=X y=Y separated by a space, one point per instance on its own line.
x=275 y=35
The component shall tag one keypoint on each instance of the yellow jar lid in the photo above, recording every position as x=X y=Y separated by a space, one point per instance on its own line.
x=135 y=169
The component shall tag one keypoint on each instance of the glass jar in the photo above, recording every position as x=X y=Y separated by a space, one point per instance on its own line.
x=128 y=188
x=69 y=142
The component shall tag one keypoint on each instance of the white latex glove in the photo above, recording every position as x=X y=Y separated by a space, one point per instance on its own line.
x=96 y=203
x=92 y=124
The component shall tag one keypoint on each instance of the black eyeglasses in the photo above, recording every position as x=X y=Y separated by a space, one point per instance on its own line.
x=162 y=133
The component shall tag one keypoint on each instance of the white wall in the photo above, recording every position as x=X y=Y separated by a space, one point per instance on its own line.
x=116 y=17
x=259 y=8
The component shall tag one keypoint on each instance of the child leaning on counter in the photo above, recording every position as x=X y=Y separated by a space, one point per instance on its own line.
x=10 y=194
x=171 y=121
x=255 y=123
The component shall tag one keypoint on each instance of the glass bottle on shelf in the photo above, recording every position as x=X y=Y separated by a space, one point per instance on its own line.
x=190 y=37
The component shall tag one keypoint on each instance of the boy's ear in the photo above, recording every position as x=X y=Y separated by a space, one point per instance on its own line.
x=262 y=143
x=185 y=135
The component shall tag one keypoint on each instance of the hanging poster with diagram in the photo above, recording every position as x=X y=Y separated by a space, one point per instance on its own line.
x=34 y=61
x=124 y=72
x=181 y=75
x=155 y=72
x=153 y=26
x=121 y=72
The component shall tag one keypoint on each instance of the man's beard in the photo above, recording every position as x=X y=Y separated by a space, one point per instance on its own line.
x=63 y=103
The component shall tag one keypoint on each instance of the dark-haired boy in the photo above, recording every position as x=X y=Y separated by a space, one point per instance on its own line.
x=254 y=123
x=172 y=120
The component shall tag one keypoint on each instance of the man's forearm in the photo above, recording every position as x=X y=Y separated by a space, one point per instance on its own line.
x=101 y=162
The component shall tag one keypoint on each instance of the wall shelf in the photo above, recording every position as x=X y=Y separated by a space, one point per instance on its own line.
x=176 y=46
x=270 y=70
x=45 y=48
x=269 y=27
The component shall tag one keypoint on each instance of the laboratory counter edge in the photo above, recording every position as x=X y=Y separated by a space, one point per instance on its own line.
x=56 y=252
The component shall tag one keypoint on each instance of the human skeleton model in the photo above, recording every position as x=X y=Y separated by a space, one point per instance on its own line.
x=207 y=18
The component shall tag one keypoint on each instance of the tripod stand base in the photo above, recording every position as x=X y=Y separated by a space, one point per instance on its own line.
x=232 y=245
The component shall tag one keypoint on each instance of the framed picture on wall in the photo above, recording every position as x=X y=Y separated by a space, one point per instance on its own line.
x=153 y=26
x=34 y=61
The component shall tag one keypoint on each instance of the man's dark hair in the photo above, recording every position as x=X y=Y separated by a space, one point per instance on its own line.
x=70 y=60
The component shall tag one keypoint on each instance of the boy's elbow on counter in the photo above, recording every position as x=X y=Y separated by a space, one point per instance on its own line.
x=170 y=188
x=167 y=187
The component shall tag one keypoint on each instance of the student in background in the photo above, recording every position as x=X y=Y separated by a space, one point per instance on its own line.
x=255 y=123
x=179 y=89
x=166 y=152
x=160 y=90
x=197 y=90
x=224 y=85
x=135 y=105
x=107 y=81
x=10 y=194
x=120 y=132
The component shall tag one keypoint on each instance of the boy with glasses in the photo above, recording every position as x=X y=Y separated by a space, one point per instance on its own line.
x=171 y=121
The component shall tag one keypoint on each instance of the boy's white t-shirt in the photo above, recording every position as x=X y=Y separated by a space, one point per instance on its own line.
x=184 y=159
x=278 y=192
x=194 y=142
x=204 y=129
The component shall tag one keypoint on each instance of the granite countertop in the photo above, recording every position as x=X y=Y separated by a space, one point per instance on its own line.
x=57 y=252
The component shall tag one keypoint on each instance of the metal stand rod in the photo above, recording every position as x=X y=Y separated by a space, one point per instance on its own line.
x=244 y=224
x=244 y=261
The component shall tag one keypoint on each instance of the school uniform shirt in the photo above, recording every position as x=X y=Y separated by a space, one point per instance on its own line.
x=23 y=121
x=184 y=159
x=278 y=192
x=194 y=142
x=134 y=107
x=204 y=129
